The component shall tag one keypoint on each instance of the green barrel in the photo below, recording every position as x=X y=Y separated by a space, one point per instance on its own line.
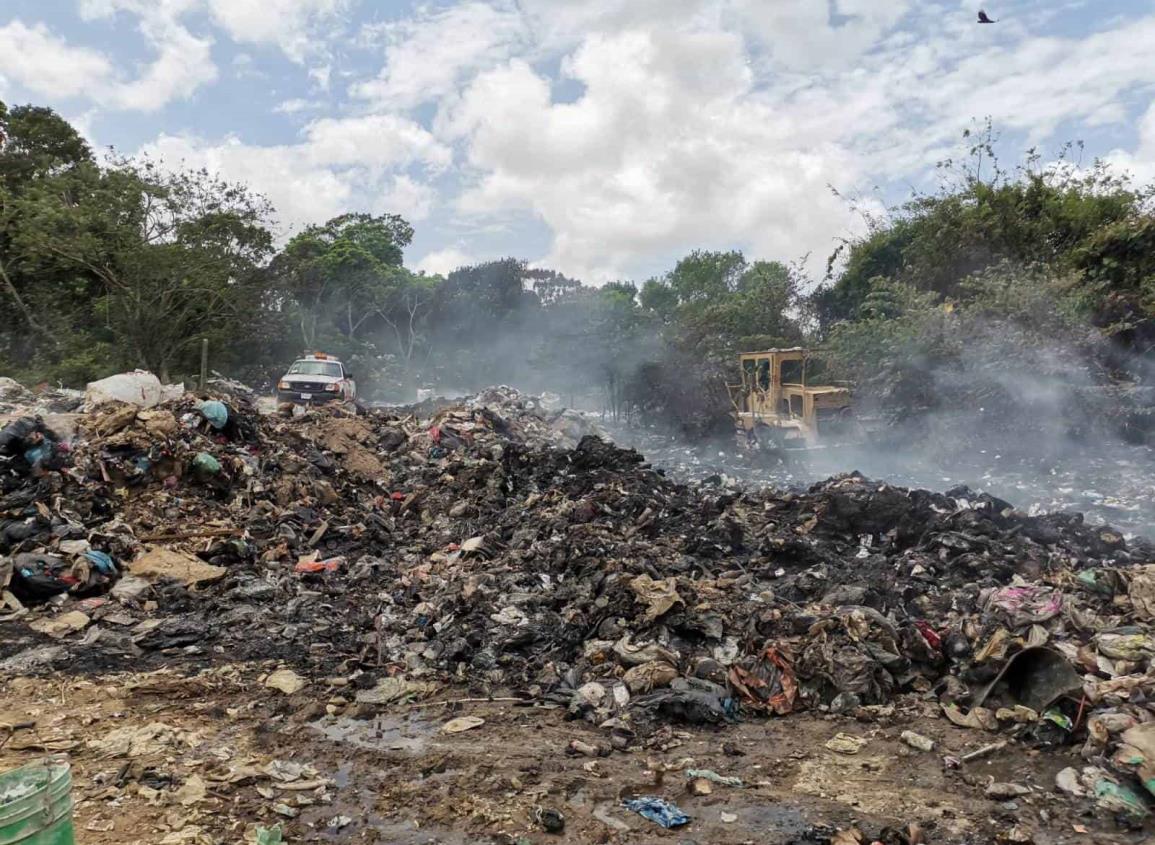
x=36 y=804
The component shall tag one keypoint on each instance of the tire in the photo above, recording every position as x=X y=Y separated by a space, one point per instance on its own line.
x=768 y=437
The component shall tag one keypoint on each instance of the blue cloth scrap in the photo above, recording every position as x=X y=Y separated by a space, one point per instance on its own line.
x=102 y=561
x=39 y=453
x=659 y=811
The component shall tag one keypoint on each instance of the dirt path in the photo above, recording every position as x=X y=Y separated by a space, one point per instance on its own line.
x=167 y=758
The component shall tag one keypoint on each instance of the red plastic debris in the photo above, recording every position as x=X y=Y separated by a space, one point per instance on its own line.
x=312 y=566
x=929 y=634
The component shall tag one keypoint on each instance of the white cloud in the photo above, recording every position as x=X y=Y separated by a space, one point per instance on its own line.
x=406 y=196
x=559 y=25
x=296 y=105
x=427 y=56
x=340 y=165
x=444 y=261
x=1140 y=162
x=47 y=64
x=1037 y=83
x=321 y=76
x=297 y=27
x=183 y=64
x=725 y=124
x=655 y=156
x=805 y=35
x=374 y=141
x=302 y=193
x=170 y=9
x=82 y=123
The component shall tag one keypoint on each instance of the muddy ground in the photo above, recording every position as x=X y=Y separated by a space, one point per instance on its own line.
x=168 y=757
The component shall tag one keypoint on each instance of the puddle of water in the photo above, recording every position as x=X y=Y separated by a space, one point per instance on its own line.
x=342 y=776
x=384 y=733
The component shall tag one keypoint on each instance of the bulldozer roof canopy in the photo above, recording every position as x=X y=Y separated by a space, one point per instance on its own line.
x=792 y=350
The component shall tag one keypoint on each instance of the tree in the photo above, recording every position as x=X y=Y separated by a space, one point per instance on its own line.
x=703 y=278
x=344 y=272
x=594 y=340
x=659 y=298
x=488 y=293
x=1019 y=293
x=173 y=256
x=35 y=144
x=982 y=216
x=718 y=303
x=405 y=310
x=485 y=322
x=552 y=287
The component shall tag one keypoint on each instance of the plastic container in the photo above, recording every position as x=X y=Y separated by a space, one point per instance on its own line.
x=36 y=804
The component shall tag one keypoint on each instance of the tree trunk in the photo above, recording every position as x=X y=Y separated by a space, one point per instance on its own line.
x=22 y=306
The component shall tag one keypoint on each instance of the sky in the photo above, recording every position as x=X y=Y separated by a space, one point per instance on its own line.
x=601 y=138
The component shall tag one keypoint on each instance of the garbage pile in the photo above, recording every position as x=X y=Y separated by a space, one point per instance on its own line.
x=139 y=387
x=15 y=398
x=476 y=547
x=530 y=419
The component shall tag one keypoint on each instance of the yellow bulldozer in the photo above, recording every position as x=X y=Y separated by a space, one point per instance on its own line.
x=786 y=401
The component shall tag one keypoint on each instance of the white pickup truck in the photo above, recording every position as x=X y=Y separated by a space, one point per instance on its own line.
x=315 y=378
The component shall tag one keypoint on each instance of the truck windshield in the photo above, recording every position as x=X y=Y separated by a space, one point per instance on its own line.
x=315 y=368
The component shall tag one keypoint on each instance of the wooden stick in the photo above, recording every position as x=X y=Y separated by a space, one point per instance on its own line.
x=984 y=751
x=188 y=535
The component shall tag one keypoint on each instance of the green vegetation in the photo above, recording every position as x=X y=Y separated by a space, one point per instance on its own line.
x=1039 y=277
x=1021 y=292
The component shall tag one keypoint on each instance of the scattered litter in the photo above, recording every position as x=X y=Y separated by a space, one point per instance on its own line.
x=492 y=543
x=658 y=811
x=845 y=744
x=192 y=791
x=158 y=563
x=713 y=777
x=549 y=819
x=394 y=690
x=60 y=626
x=139 y=388
x=917 y=741
x=286 y=681
x=268 y=835
x=462 y=723
x=1005 y=791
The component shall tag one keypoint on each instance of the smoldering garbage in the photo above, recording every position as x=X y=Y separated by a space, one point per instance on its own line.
x=42 y=400
x=501 y=546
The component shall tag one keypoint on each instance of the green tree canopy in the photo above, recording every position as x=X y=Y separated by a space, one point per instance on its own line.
x=168 y=257
x=982 y=218
x=342 y=273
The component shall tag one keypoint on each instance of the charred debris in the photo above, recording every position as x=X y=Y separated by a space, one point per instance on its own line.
x=508 y=550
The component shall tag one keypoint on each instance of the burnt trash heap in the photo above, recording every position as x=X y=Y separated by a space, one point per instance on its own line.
x=509 y=549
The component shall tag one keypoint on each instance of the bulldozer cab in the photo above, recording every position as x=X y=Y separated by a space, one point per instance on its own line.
x=786 y=397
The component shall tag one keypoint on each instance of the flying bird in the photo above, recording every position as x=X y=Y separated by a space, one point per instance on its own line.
x=984 y=19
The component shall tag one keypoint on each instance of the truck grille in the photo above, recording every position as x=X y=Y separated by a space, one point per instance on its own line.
x=307 y=386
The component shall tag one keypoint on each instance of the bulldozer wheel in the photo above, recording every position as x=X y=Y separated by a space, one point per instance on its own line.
x=767 y=437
